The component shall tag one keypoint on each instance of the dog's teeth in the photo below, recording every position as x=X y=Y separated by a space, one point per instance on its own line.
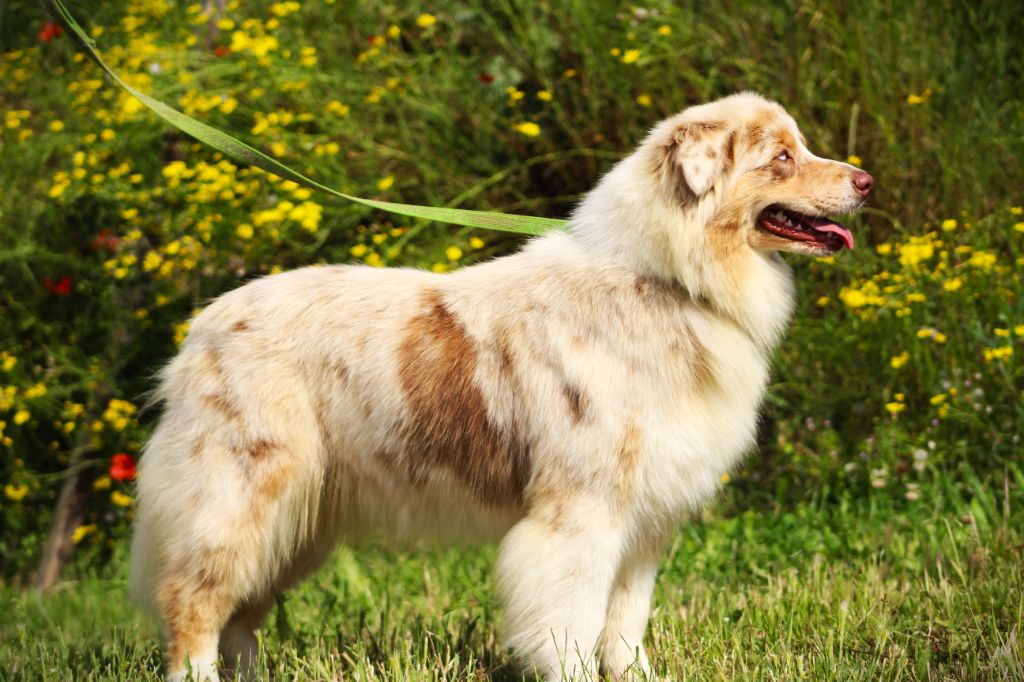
x=779 y=215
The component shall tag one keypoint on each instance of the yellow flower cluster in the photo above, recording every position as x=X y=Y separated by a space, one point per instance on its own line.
x=307 y=214
x=260 y=45
x=1000 y=353
x=119 y=414
x=915 y=251
x=15 y=493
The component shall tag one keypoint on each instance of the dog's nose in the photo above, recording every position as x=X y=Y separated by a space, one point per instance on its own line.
x=862 y=181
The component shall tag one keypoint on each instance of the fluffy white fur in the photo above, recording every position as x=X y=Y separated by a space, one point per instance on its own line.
x=573 y=400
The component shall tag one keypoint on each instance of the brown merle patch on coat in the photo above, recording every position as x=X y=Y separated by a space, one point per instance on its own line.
x=760 y=128
x=260 y=448
x=448 y=426
x=222 y=404
x=700 y=361
x=577 y=402
x=240 y=326
x=198 y=446
x=549 y=502
x=628 y=459
x=729 y=149
x=193 y=605
x=506 y=355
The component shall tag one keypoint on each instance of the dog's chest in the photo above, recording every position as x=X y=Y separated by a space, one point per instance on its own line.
x=697 y=431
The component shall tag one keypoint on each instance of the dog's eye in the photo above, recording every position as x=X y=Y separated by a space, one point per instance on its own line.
x=783 y=156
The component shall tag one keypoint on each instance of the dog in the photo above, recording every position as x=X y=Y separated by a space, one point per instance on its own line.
x=574 y=400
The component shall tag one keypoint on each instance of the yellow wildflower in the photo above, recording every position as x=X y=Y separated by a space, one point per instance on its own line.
x=1019 y=227
x=476 y=243
x=56 y=126
x=916 y=250
x=937 y=399
x=883 y=249
x=982 y=259
x=664 y=30
x=359 y=250
x=101 y=483
x=1001 y=353
x=244 y=231
x=949 y=225
x=151 y=261
x=453 y=253
x=384 y=184
x=643 y=100
x=898 y=361
x=630 y=56
x=544 y=95
x=120 y=499
x=15 y=492
x=37 y=391
x=895 y=408
x=952 y=284
x=998 y=331
x=21 y=416
x=373 y=259
x=528 y=128
x=426 y=20
x=1018 y=331
x=79 y=534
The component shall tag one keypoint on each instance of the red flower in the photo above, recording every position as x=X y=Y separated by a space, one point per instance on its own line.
x=61 y=287
x=122 y=467
x=50 y=31
x=106 y=240
x=221 y=51
x=486 y=78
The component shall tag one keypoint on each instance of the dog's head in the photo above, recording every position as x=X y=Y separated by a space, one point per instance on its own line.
x=743 y=164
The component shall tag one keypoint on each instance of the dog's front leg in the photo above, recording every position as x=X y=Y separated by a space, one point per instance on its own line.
x=555 y=572
x=622 y=649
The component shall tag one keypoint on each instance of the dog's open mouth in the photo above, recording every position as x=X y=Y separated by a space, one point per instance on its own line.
x=817 y=230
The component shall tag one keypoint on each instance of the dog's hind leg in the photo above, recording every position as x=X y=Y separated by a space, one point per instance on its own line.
x=239 y=647
x=555 y=571
x=226 y=519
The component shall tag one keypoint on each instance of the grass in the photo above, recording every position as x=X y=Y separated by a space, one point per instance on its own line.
x=875 y=589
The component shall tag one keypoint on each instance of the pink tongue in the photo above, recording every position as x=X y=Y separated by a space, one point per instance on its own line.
x=826 y=226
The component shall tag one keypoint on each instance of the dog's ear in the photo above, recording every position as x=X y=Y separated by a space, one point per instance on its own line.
x=702 y=152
